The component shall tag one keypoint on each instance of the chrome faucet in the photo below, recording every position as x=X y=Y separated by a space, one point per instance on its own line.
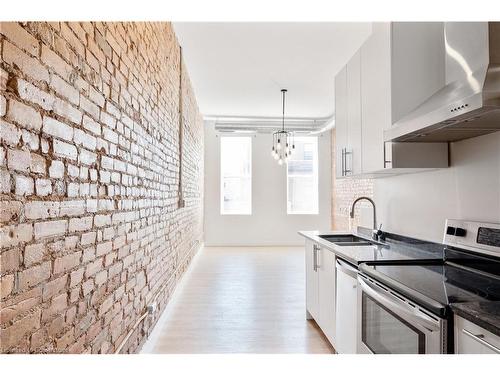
x=376 y=231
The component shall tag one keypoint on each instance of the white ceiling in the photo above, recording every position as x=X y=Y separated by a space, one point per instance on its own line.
x=238 y=69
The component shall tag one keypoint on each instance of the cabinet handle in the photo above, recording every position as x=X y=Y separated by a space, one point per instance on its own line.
x=343 y=162
x=315 y=258
x=385 y=156
x=479 y=339
x=346 y=171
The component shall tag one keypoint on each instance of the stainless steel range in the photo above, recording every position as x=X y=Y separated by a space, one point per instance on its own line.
x=405 y=306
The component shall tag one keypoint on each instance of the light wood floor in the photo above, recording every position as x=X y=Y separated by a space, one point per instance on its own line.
x=240 y=300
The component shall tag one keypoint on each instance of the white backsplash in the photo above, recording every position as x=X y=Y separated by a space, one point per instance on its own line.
x=418 y=204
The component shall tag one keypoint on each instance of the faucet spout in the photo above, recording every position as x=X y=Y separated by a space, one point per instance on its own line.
x=375 y=234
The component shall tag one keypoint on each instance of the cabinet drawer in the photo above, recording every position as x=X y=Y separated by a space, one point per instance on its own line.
x=472 y=339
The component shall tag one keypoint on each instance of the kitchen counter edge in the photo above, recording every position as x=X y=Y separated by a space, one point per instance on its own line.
x=314 y=235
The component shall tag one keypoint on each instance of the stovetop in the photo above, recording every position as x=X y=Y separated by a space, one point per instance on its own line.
x=459 y=277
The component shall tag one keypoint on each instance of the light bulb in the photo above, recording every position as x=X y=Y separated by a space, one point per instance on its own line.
x=287 y=149
x=272 y=152
x=276 y=156
x=278 y=146
x=280 y=162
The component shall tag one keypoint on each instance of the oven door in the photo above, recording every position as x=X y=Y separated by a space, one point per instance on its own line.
x=388 y=323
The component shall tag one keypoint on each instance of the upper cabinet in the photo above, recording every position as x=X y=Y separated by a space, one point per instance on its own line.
x=375 y=95
x=348 y=118
x=341 y=142
x=366 y=95
x=353 y=156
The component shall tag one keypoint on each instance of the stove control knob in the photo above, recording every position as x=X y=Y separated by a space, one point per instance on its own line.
x=450 y=231
x=460 y=232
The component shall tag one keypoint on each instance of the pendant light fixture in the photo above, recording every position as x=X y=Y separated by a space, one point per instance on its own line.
x=283 y=141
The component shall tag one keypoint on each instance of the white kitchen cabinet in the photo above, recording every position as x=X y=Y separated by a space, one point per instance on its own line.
x=472 y=339
x=375 y=95
x=353 y=159
x=320 y=288
x=340 y=121
x=327 y=279
x=348 y=118
x=346 y=308
x=312 y=280
x=371 y=94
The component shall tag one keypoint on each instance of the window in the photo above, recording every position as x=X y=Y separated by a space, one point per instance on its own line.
x=236 y=175
x=302 y=177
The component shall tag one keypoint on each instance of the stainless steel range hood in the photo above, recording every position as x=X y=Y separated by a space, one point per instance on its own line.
x=469 y=103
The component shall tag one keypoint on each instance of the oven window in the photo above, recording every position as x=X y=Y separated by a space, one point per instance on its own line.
x=386 y=333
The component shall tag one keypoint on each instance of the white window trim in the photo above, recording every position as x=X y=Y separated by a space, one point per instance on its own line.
x=316 y=176
x=221 y=179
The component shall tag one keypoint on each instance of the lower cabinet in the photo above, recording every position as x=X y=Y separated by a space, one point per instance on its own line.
x=320 y=288
x=327 y=294
x=312 y=281
x=472 y=339
x=346 y=308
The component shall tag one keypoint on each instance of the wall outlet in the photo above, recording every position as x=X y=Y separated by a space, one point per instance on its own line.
x=152 y=308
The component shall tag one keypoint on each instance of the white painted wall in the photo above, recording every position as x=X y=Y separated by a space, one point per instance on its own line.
x=269 y=223
x=418 y=204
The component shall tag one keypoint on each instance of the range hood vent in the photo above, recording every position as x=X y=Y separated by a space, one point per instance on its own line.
x=469 y=103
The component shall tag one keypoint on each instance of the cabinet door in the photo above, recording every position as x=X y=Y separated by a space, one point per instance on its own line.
x=354 y=114
x=327 y=294
x=340 y=120
x=346 y=313
x=375 y=96
x=312 y=300
x=472 y=339
x=417 y=64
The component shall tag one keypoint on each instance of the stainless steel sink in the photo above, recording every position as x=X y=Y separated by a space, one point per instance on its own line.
x=346 y=240
x=359 y=243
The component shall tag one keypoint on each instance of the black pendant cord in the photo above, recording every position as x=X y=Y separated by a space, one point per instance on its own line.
x=283 y=118
x=280 y=150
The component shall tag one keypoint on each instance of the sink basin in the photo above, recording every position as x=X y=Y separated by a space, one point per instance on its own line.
x=346 y=240
x=359 y=243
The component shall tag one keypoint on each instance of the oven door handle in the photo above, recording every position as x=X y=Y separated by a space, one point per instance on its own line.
x=413 y=315
x=345 y=267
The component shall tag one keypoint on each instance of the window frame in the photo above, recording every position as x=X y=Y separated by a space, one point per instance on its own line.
x=315 y=176
x=221 y=177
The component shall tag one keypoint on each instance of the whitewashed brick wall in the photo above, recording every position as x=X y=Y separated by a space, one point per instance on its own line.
x=89 y=171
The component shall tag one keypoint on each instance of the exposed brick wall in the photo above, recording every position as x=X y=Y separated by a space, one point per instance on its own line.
x=344 y=192
x=89 y=170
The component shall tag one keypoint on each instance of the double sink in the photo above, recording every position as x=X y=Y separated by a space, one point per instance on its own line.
x=346 y=240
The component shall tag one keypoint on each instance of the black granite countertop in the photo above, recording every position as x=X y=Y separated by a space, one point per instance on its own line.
x=485 y=314
x=391 y=248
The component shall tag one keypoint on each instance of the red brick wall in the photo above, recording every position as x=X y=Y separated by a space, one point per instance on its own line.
x=89 y=170
x=344 y=192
